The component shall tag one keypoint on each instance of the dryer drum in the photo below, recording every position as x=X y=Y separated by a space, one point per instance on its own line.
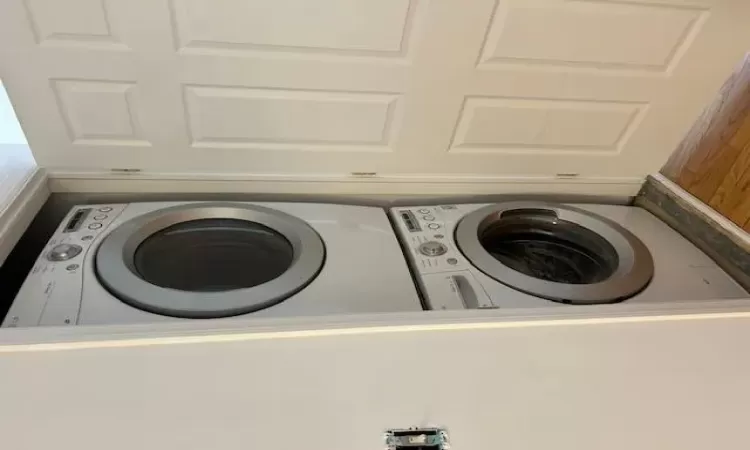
x=556 y=252
x=209 y=260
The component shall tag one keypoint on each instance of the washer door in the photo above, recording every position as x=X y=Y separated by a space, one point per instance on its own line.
x=209 y=260
x=556 y=252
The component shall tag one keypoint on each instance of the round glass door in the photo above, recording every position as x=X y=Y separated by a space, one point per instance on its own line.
x=556 y=252
x=542 y=247
x=209 y=260
x=213 y=255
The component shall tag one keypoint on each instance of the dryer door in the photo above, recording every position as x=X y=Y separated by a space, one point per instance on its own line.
x=209 y=260
x=557 y=252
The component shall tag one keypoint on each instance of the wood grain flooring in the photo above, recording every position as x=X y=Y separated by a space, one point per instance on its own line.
x=713 y=160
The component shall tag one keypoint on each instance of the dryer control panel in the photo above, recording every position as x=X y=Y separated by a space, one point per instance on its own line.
x=51 y=293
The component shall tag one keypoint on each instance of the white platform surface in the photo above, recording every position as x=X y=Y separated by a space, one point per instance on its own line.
x=652 y=382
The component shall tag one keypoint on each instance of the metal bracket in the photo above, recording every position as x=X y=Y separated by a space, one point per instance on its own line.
x=428 y=438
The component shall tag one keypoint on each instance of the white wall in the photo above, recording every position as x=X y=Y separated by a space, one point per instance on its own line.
x=21 y=195
x=10 y=129
x=16 y=160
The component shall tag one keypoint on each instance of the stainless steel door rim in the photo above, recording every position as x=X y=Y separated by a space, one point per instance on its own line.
x=634 y=266
x=116 y=270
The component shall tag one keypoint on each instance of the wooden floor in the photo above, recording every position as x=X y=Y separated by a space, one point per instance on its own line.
x=713 y=161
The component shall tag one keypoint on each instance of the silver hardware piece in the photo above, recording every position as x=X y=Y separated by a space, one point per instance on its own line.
x=428 y=438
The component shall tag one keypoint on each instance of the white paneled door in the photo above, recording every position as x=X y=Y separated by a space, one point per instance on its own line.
x=396 y=89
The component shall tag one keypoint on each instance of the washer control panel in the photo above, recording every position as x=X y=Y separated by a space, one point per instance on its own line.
x=427 y=232
x=51 y=293
x=445 y=276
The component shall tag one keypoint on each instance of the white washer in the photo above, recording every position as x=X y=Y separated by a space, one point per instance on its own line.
x=156 y=262
x=538 y=254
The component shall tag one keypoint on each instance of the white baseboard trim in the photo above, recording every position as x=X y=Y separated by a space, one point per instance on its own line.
x=19 y=213
x=104 y=182
x=730 y=228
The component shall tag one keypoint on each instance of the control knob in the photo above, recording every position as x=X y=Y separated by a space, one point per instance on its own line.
x=432 y=248
x=64 y=252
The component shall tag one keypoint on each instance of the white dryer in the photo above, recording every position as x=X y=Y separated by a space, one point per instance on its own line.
x=538 y=254
x=155 y=262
